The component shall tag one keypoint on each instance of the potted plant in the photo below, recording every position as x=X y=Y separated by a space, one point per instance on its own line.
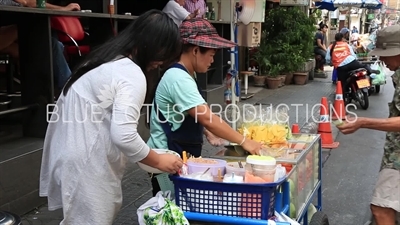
x=311 y=71
x=282 y=76
x=290 y=59
x=300 y=78
x=290 y=34
x=273 y=80
x=261 y=58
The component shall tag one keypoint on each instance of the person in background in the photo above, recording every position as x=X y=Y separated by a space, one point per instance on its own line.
x=32 y=4
x=193 y=5
x=180 y=116
x=346 y=33
x=175 y=10
x=61 y=70
x=334 y=76
x=355 y=40
x=95 y=131
x=355 y=30
x=319 y=46
x=386 y=196
x=341 y=55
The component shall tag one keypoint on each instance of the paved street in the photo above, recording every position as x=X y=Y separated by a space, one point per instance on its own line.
x=349 y=171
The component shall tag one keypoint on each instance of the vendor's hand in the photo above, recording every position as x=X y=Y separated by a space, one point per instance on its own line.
x=351 y=125
x=252 y=147
x=170 y=163
x=214 y=140
x=197 y=12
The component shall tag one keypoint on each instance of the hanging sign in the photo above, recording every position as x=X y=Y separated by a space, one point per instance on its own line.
x=294 y=3
x=371 y=16
x=348 y=3
x=249 y=35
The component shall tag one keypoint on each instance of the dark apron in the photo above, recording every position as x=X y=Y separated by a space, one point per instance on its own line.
x=189 y=136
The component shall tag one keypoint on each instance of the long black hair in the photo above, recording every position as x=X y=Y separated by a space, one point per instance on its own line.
x=152 y=37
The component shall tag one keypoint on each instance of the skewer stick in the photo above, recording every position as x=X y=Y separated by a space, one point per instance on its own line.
x=184 y=157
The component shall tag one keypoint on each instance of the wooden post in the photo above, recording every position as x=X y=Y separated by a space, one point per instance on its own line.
x=219 y=10
x=106 y=4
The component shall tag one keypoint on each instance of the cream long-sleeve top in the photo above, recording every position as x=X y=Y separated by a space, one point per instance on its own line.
x=91 y=135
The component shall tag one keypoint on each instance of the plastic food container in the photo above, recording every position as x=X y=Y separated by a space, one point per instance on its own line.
x=232 y=178
x=201 y=165
x=260 y=169
x=233 y=167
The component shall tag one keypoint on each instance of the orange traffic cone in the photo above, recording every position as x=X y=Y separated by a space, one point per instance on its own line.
x=339 y=111
x=295 y=128
x=324 y=126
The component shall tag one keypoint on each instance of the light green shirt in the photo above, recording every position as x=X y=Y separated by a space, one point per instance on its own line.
x=176 y=93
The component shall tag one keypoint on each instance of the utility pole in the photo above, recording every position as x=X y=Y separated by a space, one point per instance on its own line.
x=383 y=16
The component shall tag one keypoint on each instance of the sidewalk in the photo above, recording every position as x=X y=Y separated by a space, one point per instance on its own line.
x=136 y=186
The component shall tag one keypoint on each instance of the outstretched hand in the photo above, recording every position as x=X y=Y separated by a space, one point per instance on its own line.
x=351 y=125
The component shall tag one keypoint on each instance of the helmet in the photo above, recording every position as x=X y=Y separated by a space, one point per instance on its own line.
x=344 y=30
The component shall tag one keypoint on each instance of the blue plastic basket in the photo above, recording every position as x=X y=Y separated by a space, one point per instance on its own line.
x=254 y=201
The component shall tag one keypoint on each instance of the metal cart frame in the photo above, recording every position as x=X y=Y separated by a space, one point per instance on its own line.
x=284 y=208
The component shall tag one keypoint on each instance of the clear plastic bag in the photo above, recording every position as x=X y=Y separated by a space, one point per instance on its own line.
x=378 y=79
x=268 y=125
x=161 y=210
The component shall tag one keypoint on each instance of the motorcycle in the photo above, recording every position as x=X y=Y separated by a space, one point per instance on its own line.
x=359 y=84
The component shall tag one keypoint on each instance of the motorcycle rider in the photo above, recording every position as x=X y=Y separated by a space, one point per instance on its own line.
x=341 y=55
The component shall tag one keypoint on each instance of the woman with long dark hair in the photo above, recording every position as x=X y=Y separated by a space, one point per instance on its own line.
x=92 y=133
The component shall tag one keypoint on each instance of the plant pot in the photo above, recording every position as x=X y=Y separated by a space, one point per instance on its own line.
x=288 y=78
x=259 y=81
x=309 y=65
x=305 y=67
x=273 y=82
x=312 y=62
x=283 y=78
x=311 y=75
x=300 y=78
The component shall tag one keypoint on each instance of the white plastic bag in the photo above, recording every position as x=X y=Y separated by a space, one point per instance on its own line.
x=375 y=66
x=160 y=210
x=281 y=217
x=387 y=72
x=280 y=172
x=378 y=79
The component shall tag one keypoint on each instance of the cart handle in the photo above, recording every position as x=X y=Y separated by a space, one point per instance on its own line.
x=227 y=219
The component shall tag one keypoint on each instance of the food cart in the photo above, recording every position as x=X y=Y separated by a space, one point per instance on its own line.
x=281 y=184
x=244 y=203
